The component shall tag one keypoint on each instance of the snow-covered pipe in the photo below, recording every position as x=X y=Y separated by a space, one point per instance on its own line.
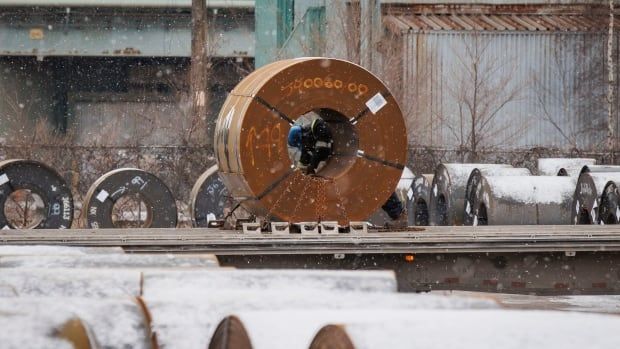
x=474 y=179
x=370 y=329
x=448 y=192
x=188 y=320
x=588 y=193
x=107 y=261
x=523 y=200
x=418 y=200
x=59 y=322
x=600 y=168
x=52 y=250
x=45 y=282
x=562 y=166
x=609 y=210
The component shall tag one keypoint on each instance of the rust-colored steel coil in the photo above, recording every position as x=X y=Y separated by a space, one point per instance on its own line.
x=369 y=134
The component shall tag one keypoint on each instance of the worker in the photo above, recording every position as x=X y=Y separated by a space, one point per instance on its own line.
x=311 y=144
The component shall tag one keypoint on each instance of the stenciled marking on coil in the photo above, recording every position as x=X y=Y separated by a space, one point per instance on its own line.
x=327 y=82
x=264 y=140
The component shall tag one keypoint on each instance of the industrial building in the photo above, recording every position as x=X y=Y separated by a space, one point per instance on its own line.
x=112 y=76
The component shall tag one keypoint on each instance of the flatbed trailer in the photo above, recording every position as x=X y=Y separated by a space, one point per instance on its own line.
x=556 y=260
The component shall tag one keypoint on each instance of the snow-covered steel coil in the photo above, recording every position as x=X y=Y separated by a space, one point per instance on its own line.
x=418 y=200
x=523 y=200
x=43 y=181
x=211 y=200
x=448 y=192
x=369 y=151
x=609 y=210
x=588 y=193
x=476 y=176
x=562 y=166
x=116 y=184
x=599 y=168
x=56 y=323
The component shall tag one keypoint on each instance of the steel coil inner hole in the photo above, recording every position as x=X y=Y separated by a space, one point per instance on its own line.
x=483 y=218
x=24 y=209
x=421 y=212
x=131 y=211
x=584 y=217
x=442 y=210
x=345 y=141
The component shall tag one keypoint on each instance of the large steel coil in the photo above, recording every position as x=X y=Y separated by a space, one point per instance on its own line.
x=588 y=193
x=562 y=166
x=474 y=179
x=418 y=200
x=523 y=200
x=369 y=134
x=36 y=181
x=161 y=209
x=448 y=192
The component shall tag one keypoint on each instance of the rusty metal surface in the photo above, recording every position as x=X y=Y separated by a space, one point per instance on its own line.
x=252 y=154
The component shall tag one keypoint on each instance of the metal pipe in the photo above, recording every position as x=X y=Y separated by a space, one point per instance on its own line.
x=475 y=179
x=519 y=200
x=448 y=192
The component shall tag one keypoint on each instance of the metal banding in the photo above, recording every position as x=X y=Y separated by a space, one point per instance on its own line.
x=44 y=181
x=251 y=147
x=109 y=188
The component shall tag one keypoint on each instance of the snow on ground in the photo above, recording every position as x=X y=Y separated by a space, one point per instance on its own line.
x=472 y=328
x=31 y=322
x=148 y=261
x=188 y=322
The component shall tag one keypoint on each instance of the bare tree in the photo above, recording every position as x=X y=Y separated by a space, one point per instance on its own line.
x=482 y=88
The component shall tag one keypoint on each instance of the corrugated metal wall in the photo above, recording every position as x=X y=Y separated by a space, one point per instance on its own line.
x=558 y=79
